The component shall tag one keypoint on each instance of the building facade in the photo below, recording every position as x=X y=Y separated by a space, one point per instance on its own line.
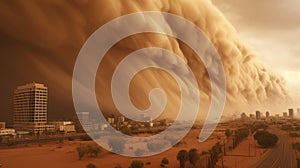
x=30 y=108
x=267 y=114
x=64 y=126
x=291 y=113
x=2 y=125
x=244 y=116
x=257 y=115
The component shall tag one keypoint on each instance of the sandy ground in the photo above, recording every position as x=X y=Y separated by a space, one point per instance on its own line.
x=51 y=155
x=241 y=157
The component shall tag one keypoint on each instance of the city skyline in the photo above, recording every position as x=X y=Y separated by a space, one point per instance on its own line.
x=46 y=53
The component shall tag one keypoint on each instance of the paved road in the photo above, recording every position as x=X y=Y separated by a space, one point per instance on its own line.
x=281 y=156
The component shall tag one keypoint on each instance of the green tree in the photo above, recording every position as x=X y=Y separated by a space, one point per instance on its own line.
x=265 y=139
x=193 y=156
x=182 y=156
x=137 y=164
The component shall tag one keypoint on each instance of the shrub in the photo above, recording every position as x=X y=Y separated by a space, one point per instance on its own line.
x=71 y=139
x=11 y=143
x=165 y=161
x=81 y=151
x=155 y=146
x=85 y=138
x=93 y=150
x=117 y=145
x=90 y=165
x=137 y=164
x=118 y=166
x=172 y=140
x=139 y=152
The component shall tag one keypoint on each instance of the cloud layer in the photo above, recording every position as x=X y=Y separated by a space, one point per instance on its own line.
x=40 y=42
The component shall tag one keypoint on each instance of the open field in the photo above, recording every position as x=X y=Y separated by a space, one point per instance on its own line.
x=64 y=155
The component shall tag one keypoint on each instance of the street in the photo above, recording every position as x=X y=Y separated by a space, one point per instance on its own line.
x=281 y=156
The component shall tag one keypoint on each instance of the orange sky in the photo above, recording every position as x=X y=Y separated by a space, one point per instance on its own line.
x=39 y=41
x=272 y=29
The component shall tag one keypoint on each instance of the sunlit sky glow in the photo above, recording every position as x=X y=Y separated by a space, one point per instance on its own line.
x=272 y=29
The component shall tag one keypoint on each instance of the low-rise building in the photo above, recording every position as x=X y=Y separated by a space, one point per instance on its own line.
x=7 y=131
x=64 y=126
x=244 y=116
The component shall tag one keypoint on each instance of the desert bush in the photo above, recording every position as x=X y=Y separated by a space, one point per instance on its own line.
x=81 y=151
x=93 y=150
x=137 y=164
x=117 y=145
x=155 y=146
x=90 y=165
x=139 y=152
x=85 y=138
x=70 y=139
x=165 y=161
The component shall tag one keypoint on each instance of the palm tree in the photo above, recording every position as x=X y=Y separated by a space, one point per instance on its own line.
x=182 y=156
x=193 y=156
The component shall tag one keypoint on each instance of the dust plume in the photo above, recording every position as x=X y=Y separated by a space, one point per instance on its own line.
x=44 y=37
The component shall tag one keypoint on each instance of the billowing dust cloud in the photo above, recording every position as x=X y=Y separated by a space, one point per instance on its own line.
x=47 y=36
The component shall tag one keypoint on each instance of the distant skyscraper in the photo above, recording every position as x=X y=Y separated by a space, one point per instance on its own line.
x=257 y=115
x=30 y=107
x=291 y=113
x=252 y=116
x=285 y=114
x=298 y=111
x=267 y=114
x=244 y=116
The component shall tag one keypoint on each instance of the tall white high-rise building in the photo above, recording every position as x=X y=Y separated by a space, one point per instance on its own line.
x=30 y=107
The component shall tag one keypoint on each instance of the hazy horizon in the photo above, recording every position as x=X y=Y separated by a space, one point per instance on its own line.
x=41 y=41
